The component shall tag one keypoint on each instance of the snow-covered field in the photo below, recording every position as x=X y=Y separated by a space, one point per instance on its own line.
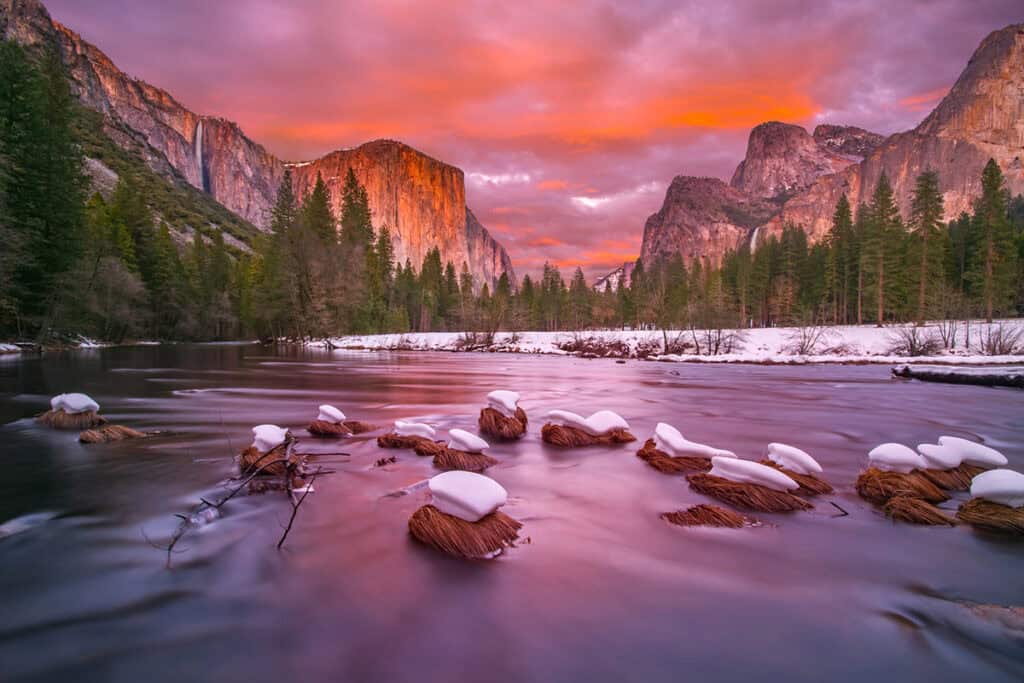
x=841 y=344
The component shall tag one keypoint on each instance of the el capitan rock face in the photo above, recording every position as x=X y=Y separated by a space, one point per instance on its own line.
x=702 y=217
x=420 y=199
x=803 y=176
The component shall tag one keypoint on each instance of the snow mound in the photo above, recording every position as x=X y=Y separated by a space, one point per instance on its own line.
x=466 y=495
x=793 y=458
x=503 y=401
x=939 y=457
x=974 y=453
x=749 y=472
x=668 y=439
x=895 y=457
x=461 y=440
x=331 y=414
x=601 y=422
x=403 y=428
x=268 y=437
x=999 y=486
x=74 y=403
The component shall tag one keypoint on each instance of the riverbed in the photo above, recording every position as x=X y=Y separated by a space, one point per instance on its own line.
x=599 y=589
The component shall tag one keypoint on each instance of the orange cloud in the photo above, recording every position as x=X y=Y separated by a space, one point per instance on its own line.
x=545 y=242
x=925 y=101
x=552 y=185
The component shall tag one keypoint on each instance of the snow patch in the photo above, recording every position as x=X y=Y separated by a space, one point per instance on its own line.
x=601 y=422
x=895 y=457
x=505 y=402
x=329 y=413
x=999 y=486
x=73 y=404
x=974 y=453
x=466 y=495
x=461 y=440
x=268 y=437
x=668 y=439
x=939 y=457
x=749 y=472
x=403 y=428
x=792 y=458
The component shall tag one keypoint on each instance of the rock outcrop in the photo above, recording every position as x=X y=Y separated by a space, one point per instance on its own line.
x=702 y=218
x=622 y=275
x=420 y=199
x=790 y=177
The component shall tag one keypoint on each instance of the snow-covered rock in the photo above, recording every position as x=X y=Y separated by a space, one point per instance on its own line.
x=939 y=457
x=999 y=486
x=895 y=457
x=268 y=437
x=601 y=422
x=668 y=439
x=329 y=413
x=466 y=495
x=403 y=428
x=505 y=402
x=793 y=459
x=749 y=472
x=74 y=403
x=461 y=440
x=974 y=453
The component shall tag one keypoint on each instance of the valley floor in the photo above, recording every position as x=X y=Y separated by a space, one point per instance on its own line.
x=839 y=344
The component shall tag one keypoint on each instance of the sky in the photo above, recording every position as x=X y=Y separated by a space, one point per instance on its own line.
x=569 y=119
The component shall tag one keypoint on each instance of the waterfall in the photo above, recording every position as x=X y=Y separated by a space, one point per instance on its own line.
x=198 y=144
x=753 y=238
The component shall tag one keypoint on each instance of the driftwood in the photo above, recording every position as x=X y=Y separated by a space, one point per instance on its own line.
x=956 y=479
x=878 y=486
x=327 y=430
x=976 y=377
x=746 y=496
x=810 y=485
x=705 y=515
x=58 y=419
x=472 y=540
x=565 y=436
x=493 y=423
x=672 y=464
x=108 y=433
x=452 y=459
x=915 y=511
x=990 y=516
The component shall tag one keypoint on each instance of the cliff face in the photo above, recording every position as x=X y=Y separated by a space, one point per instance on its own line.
x=702 y=217
x=420 y=199
x=804 y=175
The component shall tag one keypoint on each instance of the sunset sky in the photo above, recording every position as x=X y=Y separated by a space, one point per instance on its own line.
x=569 y=119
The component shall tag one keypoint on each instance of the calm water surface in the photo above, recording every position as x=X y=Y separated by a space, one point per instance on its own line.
x=603 y=591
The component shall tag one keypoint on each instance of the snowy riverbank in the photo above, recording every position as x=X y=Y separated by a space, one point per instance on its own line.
x=974 y=344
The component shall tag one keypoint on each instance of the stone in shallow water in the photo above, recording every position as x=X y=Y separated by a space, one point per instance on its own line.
x=1005 y=487
x=749 y=472
x=503 y=401
x=939 y=457
x=461 y=440
x=329 y=413
x=668 y=439
x=403 y=428
x=974 y=453
x=793 y=458
x=466 y=495
x=895 y=457
x=73 y=404
x=268 y=437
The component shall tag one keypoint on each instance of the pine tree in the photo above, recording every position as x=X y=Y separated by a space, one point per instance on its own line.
x=317 y=214
x=579 y=300
x=993 y=263
x=356 y=226
x=925 y=224
x=883 y=232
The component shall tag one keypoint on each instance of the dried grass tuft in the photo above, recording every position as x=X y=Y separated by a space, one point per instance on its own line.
x=916 y=511
x=108 y=433
x=392 y=440
x=357 y=427
x=451 y=459
x=564 y=436
x=502 y=427
x=810 y=485
x=471 y=540
x=990 y=516
x=705 y=515
x=956 y=479
x=878 y=486
x=58 y=419
x=672 y=464
x=428 y=447
x=326 y=430
x=250 y=460
x=746 y=496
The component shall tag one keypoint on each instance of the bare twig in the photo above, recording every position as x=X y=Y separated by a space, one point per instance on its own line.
x=296 y=505
x=843 y=512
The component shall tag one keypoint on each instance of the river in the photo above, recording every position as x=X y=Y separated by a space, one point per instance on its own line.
x=603 y=590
